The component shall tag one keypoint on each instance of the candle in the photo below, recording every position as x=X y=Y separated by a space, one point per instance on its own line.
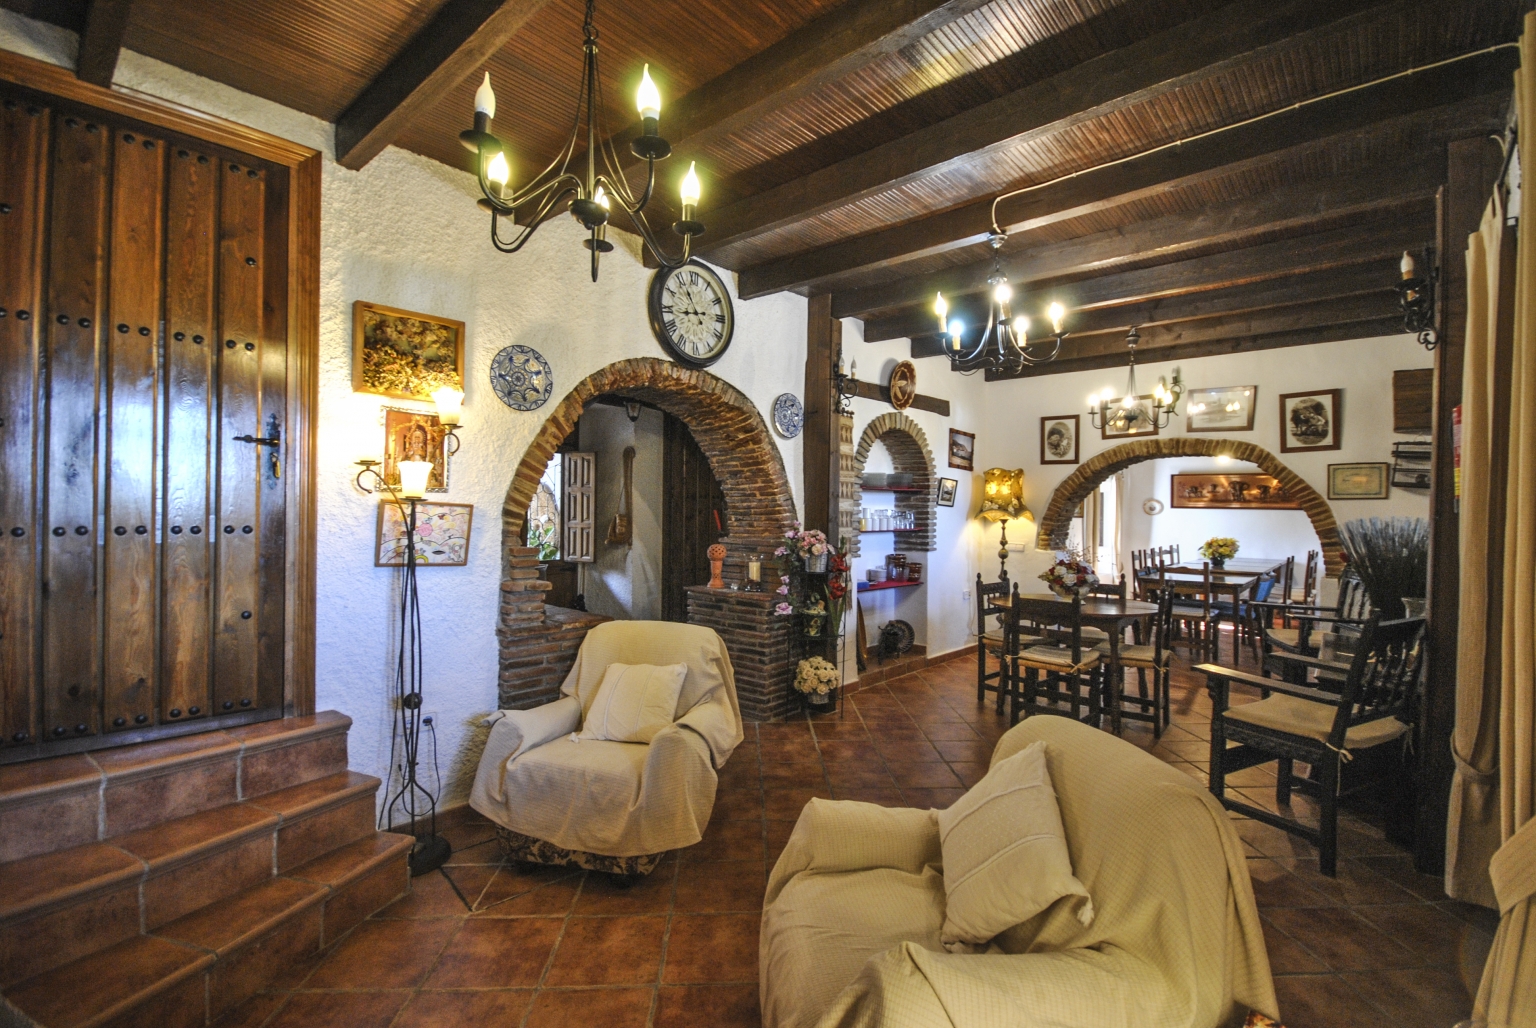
x=755 y=569
x=413 y=478
x=1406 y=265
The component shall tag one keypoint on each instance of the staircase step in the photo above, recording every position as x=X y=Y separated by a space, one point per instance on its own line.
x=320 y=816
x=49 y=805
x=281 y=754
x=363 y=877
x=153 y=981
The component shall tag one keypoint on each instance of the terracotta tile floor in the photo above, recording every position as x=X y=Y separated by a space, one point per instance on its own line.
x=488 y=944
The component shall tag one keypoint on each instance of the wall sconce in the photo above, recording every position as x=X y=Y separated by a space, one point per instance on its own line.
x=450 y=411
x=632 y=410
x=1416 y=296
x=847 y=386
x=1002 y=500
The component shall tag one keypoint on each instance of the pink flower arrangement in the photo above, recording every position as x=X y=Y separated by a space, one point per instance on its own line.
x=1070 y=575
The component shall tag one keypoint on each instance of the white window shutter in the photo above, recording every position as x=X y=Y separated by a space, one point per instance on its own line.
x=578 y=513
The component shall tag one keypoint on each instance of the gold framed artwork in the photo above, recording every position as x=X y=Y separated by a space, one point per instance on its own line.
x=1220 y=409
x=962 y=450
x=1359 y=481
x=1241 y=491
x=1311 y=421
x=442 y=534
x=405 y=354
x=1058 y=439
x=414 y=435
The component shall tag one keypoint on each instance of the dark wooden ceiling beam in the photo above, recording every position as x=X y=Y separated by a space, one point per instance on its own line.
x=1434 y=91
x=1236 y=34
x=101 y=40
x=1290 y=209
x=1282 y=260
x=460 y=38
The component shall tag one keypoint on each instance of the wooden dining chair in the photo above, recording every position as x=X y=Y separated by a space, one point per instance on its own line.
x=1301 y=624
x=1201 y=619
x=1155 y=657
x=1072 y=672
x=1287 y=579
x=989 y=640
x=1321 y=728
x=1309 y=582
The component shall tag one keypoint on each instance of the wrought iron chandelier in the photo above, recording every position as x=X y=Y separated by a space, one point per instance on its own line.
x=591 y=192
x=1416 y=296
x=1131 y=414
x=1004 y=346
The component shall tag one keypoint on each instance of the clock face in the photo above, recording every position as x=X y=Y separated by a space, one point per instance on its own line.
x=691 y=314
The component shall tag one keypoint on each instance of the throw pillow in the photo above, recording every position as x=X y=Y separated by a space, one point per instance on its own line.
x=1005 y=853
x=634 y=702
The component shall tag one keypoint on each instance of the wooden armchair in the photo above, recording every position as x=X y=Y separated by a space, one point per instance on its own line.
x=1298 y=631
x=1073 y=672
x=1321 y=728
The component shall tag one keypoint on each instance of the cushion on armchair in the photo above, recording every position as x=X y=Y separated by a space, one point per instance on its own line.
x=634 y=702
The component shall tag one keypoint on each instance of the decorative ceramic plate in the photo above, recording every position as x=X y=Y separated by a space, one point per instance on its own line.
x=521 y=377
x=788 y=415
x=1152 y=507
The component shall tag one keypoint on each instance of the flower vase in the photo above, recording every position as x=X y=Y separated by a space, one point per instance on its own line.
x=821 y=700
x=816 y=563
x=1218 y=564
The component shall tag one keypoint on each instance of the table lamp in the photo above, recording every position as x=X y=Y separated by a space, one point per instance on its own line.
x=1002 y=499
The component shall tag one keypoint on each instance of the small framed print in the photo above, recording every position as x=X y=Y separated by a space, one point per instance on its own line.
x=947 y=488
x=1220 y=409
x=1359 y=481
x=405 y=354
x=1311 y=421
x=962 y=450
x=442 y=534
x=414 y=435
x=1143 y=424
x=1058 y=439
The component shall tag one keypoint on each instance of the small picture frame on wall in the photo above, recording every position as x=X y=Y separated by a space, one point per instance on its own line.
x=405 y=354
x=1059 y=439
x=1359 y=481
x=962 y=450
x=442 y=534
x=1311 y=421
x=414 y=435
x=947 y=487
x=1220 y=409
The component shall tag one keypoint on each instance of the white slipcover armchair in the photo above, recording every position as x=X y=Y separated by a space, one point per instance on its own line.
x=851 y=920
x=613 y=806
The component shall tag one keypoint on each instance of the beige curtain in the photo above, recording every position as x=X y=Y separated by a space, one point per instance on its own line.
x=1507 y=996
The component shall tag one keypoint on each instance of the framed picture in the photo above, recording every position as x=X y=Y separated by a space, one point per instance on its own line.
x=442 y=535
x=1231 y=492
x=947 y=488
x=1146 y=425
x=1310 y=421
x=1220 y=409
x=404 y=353
x=414 y=435
x=1359 y=481
x=1058 y=439
x=962 y=450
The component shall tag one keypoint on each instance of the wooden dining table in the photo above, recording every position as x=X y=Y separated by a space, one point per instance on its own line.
x=1223 y=583
x=1109 y=614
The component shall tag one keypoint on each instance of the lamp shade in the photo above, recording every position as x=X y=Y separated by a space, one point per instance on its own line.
x=1002 y=495
x=450 y=405
x=413 y=478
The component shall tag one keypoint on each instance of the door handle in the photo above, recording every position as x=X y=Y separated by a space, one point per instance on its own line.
x=273 y=438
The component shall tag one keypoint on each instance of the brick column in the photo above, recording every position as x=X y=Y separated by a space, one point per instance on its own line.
x=760 y=643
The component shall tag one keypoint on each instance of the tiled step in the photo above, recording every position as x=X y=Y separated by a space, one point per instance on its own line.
x=58 y=907
x=194 y=969
x=67 y=801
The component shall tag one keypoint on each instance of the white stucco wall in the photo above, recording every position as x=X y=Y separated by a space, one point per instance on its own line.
x=405 y=232
x=624 y=581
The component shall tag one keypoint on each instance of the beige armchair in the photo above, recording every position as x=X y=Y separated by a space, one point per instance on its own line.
x=851 y=920
x=613 y=806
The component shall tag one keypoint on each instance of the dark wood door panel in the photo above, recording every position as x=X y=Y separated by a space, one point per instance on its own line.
x=24 y=131
x=698 y=514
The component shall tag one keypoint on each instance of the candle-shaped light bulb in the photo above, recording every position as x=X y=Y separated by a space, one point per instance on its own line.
x=450 y=404
x=1406 y=265
x=413 y=478
x=689 y=190
x=601 y=197
x=1003 y=292
x=485 y=98
x=1093 y=401
x=941 y=308
x=648 y=97
x=498 y=170
x=853 y=368
x=1056 y=312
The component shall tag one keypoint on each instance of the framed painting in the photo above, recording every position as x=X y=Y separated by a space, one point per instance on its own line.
x=1220 y=409
x=1311 y=421
x=442 y=534
x=414 y=435
x=1359 y=481
x=962 y=450
x=1242 y=491
x=947 y=487
x=405 y=354
x=1058 y=439
x=1145 y=424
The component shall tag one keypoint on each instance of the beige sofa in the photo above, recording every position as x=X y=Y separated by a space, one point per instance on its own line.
x=850 y=931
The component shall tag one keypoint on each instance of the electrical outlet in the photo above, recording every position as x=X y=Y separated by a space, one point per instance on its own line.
x=429 y=720
x=966 y=596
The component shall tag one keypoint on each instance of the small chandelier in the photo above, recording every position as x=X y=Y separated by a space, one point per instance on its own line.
x=1004 y=346
x=1130 y=415
x=1416 y=296
x=591 y=193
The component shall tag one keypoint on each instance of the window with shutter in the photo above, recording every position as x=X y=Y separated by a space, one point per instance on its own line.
x=578 y=508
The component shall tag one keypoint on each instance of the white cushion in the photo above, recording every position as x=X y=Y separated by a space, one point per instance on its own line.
x=1314 y=720
x=1005 y=853
x=634 y=702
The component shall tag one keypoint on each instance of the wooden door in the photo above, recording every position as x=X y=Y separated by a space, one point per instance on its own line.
x=696 y=517
x=143 y=380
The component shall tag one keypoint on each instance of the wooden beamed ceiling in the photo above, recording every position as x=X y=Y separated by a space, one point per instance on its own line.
x=1186 y=167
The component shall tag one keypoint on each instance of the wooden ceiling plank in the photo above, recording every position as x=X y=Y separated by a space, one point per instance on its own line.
x=101 y=41
x=461 y=37
x=1408 y=183
x=1237 y=34
x=1094 y=190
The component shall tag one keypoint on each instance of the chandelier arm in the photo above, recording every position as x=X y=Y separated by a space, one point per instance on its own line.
x=644 y=228
x=506 y=206
x=521 y=239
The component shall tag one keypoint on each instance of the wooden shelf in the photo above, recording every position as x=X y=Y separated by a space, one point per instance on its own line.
x=893 y=489
x=865 y=587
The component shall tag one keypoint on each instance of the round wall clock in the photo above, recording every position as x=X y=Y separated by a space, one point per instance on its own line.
x=1152 y=507
x=903 y=385
x=522 y=378
x=691 y=314
x=788 y=415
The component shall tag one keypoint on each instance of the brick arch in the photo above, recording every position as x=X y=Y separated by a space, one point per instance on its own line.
x=1070 y=493
x=908 y=446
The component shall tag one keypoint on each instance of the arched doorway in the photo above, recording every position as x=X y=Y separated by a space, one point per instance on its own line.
x=1070 y=493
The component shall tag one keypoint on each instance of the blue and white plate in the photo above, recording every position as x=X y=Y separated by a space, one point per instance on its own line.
x=522 y=378
x=788 y=415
